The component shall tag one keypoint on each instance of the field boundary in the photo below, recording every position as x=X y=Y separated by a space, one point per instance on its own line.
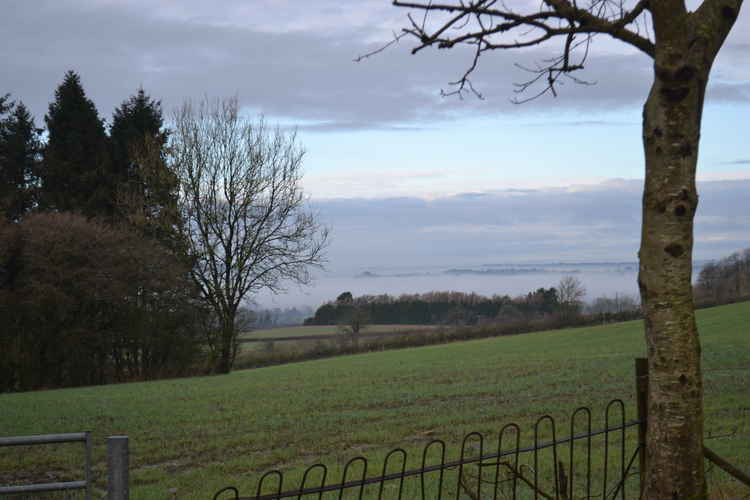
x=333 y=336
x=332 y=345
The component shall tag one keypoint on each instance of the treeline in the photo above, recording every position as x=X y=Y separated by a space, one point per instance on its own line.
x=436 y=308
x=94 y=277
x=723 y=281
x=277 y=317
x=720 y=282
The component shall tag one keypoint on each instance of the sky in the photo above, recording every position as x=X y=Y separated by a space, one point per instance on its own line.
x=401 y=174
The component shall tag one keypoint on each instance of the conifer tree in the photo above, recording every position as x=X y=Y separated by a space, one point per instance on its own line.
x=136 y=120
x=76 y=173
x=19 y=157
x=146 y=187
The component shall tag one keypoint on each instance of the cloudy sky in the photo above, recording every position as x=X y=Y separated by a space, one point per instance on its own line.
x=401 y=174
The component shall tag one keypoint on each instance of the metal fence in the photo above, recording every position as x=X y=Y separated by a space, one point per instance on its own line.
x=587 y=463
x=82 y=437
x=118 y=487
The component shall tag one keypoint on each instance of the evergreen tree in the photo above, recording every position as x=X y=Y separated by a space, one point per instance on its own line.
x=146 y=187
x=76 y=173
x=137 y=120
x=19 y=156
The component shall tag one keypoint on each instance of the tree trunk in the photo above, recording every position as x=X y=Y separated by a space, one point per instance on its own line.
x=226 y=358
x=686 y=44
x=671 y=131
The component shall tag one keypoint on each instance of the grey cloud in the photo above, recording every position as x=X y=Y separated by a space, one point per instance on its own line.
x=298 y=74
x=742 y=161
x=579 y=223
x=579 y=123
x=471 y=196
x=354 y=126
x=732 y=92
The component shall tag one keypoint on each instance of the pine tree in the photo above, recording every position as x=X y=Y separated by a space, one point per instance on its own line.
x=19 y=157
x=146 y=187
x=76 y=172
x=136 y=121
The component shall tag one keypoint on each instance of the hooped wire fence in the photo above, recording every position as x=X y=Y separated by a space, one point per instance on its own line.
x=586 y=463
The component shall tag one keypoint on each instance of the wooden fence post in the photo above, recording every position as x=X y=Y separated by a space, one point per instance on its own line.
x=117 y=468
x=641 y=388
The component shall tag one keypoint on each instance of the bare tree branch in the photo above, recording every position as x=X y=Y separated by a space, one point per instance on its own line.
x=396 y=38
x=496 y=27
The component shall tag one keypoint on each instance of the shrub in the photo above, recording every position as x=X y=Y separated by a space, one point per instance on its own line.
x=87 y=303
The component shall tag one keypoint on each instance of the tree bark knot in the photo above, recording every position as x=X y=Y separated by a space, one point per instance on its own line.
x=674 y=249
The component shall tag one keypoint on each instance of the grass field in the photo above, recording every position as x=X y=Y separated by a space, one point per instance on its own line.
x=303 y=331
x=305 y=345
x=200 y=434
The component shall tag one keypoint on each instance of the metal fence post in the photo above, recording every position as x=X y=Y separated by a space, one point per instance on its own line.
x=88 y=477
x=641 y=388
x=117 y=468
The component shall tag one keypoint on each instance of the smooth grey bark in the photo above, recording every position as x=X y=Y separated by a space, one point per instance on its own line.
x=685 y=48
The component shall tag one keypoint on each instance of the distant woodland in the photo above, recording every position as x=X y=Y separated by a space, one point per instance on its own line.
x=719 y=282
x=557 y=305
x=726 y=280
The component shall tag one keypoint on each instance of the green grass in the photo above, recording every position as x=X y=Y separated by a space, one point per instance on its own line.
x=303 y=331
x=200 y=434
x=306 y=346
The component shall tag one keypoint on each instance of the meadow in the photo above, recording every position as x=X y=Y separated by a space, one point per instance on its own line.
x=191 y=437
x=304 y=331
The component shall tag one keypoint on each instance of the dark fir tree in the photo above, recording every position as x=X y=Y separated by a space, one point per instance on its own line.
x=19 y=157
x=76 y=173
x=146 y=188
x=135 y=123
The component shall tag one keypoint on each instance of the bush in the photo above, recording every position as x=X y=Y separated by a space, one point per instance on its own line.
x=85 y=303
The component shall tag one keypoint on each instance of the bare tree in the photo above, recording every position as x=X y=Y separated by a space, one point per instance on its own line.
x=353 y=313
x=354 y=320
x=570 y=293
x=617 y=304
x=683 y=48
x=245 y=216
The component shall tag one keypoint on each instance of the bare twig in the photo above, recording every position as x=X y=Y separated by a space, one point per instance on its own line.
x=494 y=26
x=523 y=478
x=396 y=38
x=467 y=489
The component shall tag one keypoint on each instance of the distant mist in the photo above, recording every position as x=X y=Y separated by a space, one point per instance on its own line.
x=408 y=244
x=599 y=280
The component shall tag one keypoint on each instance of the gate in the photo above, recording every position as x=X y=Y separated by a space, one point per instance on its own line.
x=82 y=437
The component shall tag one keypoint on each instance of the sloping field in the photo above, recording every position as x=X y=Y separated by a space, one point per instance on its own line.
x=304 y=331
x=198 y=435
